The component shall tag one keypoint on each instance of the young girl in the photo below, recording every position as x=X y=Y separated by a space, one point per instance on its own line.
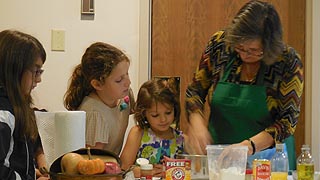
x=157 y=109
x=21 y=59
x=100 y=86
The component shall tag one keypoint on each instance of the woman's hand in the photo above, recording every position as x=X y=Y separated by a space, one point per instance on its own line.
x=230 y=154
x=246 y=143
x=198 y=135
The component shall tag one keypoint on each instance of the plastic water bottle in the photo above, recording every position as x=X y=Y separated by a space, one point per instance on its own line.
x=305 y=164
x=279 y=164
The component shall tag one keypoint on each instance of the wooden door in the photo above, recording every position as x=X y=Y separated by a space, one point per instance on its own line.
x=181 y=29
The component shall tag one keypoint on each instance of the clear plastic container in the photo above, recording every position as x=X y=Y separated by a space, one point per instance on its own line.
x=227 y=162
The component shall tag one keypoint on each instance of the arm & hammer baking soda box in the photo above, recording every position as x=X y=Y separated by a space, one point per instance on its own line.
x=177 y=169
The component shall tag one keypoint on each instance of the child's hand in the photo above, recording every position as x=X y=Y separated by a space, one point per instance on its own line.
x=136 y=172
x=38 y=173
x=42 y=172
x=43 y=178
x=158 y=170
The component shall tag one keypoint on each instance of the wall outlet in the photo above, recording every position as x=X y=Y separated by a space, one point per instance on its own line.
x=57 y=40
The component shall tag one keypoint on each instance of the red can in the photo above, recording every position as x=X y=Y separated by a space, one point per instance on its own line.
x=261 y=169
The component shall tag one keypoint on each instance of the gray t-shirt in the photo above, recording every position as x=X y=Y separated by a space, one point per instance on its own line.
x=104 y=124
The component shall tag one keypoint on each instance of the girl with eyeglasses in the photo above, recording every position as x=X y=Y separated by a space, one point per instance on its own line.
x=21 y=59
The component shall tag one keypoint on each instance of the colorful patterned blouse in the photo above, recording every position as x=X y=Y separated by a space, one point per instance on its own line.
x=153 y=148
x=283 y=81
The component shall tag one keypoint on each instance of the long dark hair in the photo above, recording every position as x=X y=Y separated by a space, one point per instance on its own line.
x=18 y=53
x=97 y=63
x=258 y=20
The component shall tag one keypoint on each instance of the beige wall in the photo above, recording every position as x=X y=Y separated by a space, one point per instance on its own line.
x=115 y=22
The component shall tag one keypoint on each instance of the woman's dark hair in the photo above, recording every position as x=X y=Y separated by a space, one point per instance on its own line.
x=257 y=20
x=156 y=91
x=18 y=53
x=97 y=63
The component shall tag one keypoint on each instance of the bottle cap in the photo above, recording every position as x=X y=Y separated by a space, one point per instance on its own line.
x=146 y=167
x=280 y=146
x=248 y=171
x=305 y=146
x=142 y=161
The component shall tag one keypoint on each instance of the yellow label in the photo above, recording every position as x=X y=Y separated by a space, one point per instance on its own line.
x=261 y=169
x=305 y=171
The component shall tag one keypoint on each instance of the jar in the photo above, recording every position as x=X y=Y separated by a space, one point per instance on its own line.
x=146 y=171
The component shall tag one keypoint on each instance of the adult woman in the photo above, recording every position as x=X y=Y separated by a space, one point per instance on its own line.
x=254 y=84
x=21 y=59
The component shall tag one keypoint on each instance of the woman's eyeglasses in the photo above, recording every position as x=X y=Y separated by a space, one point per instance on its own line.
x=249 y=52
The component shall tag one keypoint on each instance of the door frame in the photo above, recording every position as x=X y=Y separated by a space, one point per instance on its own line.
x=144 y=69
x=312 y=87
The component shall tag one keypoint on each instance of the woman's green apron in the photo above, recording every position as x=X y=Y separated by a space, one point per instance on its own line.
x=239 y=111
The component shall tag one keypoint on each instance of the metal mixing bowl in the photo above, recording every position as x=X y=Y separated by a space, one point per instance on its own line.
x=199 y=165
